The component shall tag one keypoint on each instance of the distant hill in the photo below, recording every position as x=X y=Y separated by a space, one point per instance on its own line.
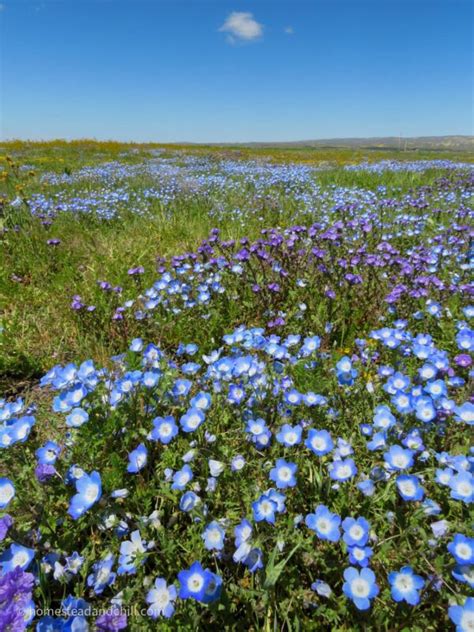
x=455 y=143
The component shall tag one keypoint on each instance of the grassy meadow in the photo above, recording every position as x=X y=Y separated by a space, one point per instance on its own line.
x=236 y=388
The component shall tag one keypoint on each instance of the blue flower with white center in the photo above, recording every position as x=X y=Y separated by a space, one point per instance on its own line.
x=74 y=563
x=48 y=453
x=409 y=487
x=202 y=401
x=464 y=573
x=462 y=487
x=360 y=586
x=236 y=394
x=151 y=378
x=77 y=417
x=213 y=536
x=161 y=599
x=356 y=531
x=398 y=458
x=324 y=523
x=405 y=585
x=463 y=616
x=237 y=463
x=132 y=552
x=462 y=549
x=188 y=501
x=319 y=442
x=16 y=556
x=443 y=476
x=424 y=409
x=436 y=389
x=342 y=470
x=263 y=440
x=194 y=582
x=102 y=575
x=384 y=418
x=256 y=427
x=182 y=477
x=89 y=491
x=283 y=474
x=360 y=555
x=289 y=435
x=181 y=388
x=192 y=419
x=292 y=397
x=264 y=509
x=7 y=492
x=465 y=413
x=137 y=459
x=164 y=429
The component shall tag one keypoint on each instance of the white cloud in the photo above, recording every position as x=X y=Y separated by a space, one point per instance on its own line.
x=241 y=26
x=2 y=6
x=289 y=30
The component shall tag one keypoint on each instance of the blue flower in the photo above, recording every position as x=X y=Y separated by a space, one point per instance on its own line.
x=462 y=549
x=48 y=453
x=192 y=419
x=398 y=458
x=404 y=585
x=356 y=531
x=324 y=523
x=102 y=575
x=16 y=556
x=160 y=599
x=131 y=553
x=137 y=459
x=463 y=616
x=342 y=470
x=409 y=487
x=360 y=586
x=283 y=474
x=76 y=418
x=254 y=560
x=194 y=582
x=188 y=501
x=164 y=429
x=360 y=555
x=264 y=509
x=462 y=487
x=89 y=491
x=182 y=477
x=464 y=573
x=319 y=442
x=7 y=492
x=289 y=435
x=213 y=536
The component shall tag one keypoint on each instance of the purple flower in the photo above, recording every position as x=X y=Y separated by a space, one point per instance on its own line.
x=5 y=523
x=463 y=359
x=44 y=472
x=11 y=618
x=112 y=620
x=15 y=586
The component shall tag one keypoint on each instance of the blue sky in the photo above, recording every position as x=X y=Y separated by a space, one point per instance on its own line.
x=210 y=71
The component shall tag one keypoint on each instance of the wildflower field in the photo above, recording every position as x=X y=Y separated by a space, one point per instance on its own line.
x=236 y=389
